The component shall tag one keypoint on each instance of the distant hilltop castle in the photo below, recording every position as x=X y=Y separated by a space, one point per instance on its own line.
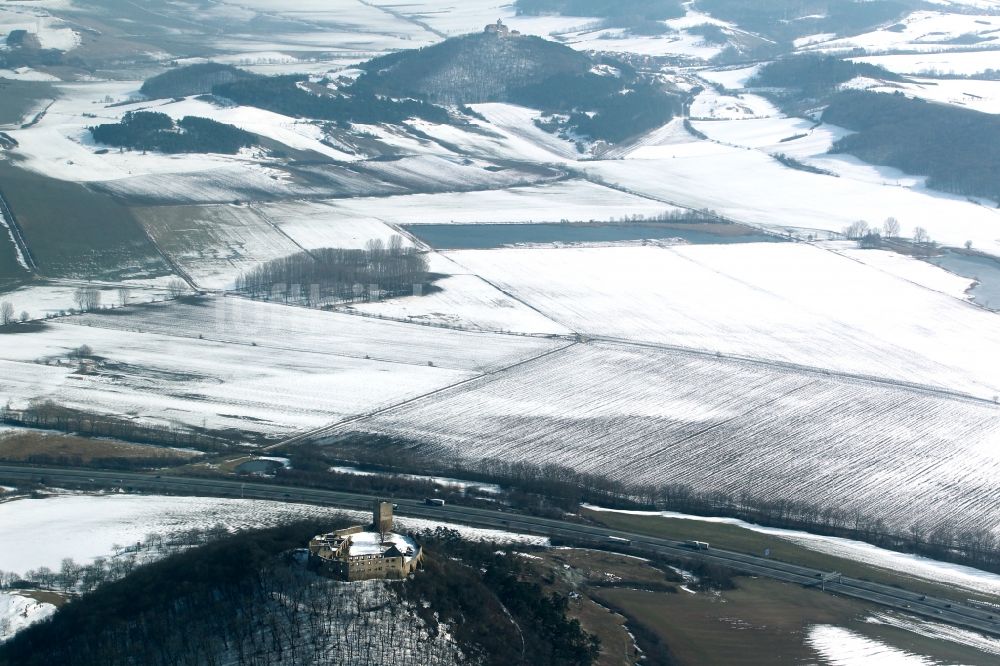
x=500 y=29
x=366 y=552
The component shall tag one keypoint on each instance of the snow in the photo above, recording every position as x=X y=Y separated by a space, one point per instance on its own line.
x=60 y=146
x=709 y=104
x=262 y=368
x=572 y=200
x=52 y=297
x=370 y=543
x=806 y=302
x=320 y=224
x=752 y=187
x=913 y=270
x=946 y=573
x=449 y=482
x=203 y=383
x=842 y=647
x=26 y=74
x=292 y=132
x=983 y=96
x=52 y=33
x=957 y=63
x=41 y=532
x=464 y=301
x=731 y=79
x=642 y=413
x=922 y=31
x=938 y=631
x=509 y=131
x=18 y=611
x=214 y=244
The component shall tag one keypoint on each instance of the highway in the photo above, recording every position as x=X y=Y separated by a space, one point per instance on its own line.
x=941 y=610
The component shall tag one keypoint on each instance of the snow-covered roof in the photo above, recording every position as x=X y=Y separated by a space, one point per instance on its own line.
x=368 y=543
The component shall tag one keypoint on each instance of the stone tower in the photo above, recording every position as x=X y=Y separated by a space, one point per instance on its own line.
x=382 y=516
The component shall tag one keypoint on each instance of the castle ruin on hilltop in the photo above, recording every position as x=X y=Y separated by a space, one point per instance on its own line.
x=366 y=552
x=500 y=30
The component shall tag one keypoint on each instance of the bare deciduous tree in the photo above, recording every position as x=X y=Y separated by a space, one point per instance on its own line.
x=176 y=288
x=6 y=313
x=123 y=296
x=856 y=230
x=891 y=227
x=921 y=236
x=87 y=298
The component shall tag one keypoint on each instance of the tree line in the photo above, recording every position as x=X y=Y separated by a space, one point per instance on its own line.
x=48 y=415
x=553 y=490
x=337 y=274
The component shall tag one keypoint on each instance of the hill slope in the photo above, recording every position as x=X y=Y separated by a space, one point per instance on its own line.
x=472 y=68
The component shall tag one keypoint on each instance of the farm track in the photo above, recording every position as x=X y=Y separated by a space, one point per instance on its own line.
x=983 y=620
x=16 y=235
x=332 y=428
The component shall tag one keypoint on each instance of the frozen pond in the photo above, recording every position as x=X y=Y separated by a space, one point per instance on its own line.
x=985 y=270
x=488 y=236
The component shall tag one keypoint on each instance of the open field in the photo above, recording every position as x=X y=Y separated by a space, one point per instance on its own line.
x=318 y=224
x=646 y=415
x=73 y=232
x=765 y=622
x=925 y=576
x=243 y=322
x=751 y=186
x=810 y=307
x=961 y=63
x=573 y=200
x=18 y=98
x=21 y=445
x=187 y=382
x=45 y=298
x=215 y=244
x=228 y=363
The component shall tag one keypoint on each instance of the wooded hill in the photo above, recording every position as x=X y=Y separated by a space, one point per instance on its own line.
x=810 y=77
x=192 y=80
x=147 y=130
x=248 y=599
x=472 y=68
x=957 y=149
x=530 y=71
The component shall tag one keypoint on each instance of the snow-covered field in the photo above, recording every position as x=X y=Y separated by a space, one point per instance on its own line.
x=809 y=307
x=231 y=363
x=215 y=244
x=911 y=565
x=572 y=200
x=54 y=297
x=464 y=301
x=647 y=415
x=751 y=186
x=958 y=63
x=972 y=94
x=919 y=31
x=242 y=323
x=41 y=532
x=710 y=105
x=842 y=647
x=319 y=224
